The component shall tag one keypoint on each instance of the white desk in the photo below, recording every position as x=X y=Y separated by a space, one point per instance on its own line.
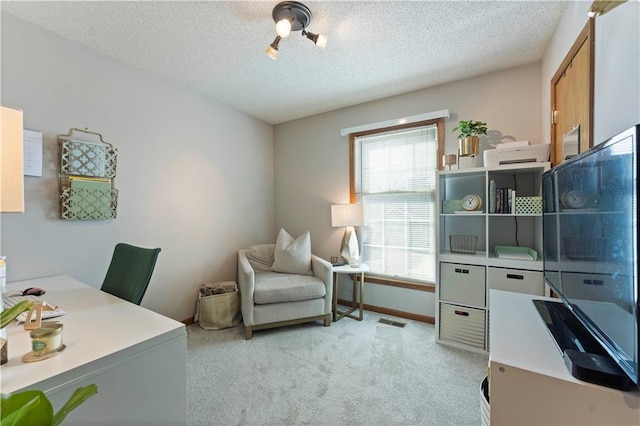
x=136 y=357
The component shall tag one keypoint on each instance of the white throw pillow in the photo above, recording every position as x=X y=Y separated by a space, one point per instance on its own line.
x=261 y=256
x=292 y=256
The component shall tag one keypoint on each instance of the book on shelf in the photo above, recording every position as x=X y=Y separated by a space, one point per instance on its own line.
x=501 y=200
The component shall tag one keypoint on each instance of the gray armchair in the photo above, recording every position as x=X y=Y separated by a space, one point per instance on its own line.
x=273 y=299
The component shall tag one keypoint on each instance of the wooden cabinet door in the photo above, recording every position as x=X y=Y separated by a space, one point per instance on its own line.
x=572 y=95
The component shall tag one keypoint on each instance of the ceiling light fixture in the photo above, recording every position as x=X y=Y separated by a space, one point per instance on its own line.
x=292 y=16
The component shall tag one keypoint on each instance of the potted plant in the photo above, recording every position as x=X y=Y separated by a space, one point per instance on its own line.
x=470 y=128
x=32 y=407
x=468 y=139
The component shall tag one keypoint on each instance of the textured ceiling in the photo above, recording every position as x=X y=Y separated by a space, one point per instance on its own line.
x=375 y=49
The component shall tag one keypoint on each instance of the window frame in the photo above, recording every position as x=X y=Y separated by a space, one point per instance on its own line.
x=439 y=122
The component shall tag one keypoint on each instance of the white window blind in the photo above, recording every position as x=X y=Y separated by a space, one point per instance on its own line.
x=395 y=178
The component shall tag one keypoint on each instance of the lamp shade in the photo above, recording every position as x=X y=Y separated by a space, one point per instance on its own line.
x=346 y=215
x=11 y=161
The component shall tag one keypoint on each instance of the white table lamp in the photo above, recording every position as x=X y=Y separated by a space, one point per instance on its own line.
x=348 y=215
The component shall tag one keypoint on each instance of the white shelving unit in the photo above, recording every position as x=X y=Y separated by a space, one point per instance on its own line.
x=464 y=280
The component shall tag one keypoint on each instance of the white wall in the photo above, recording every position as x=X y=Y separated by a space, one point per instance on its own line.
x=617 y=66
x=195 y=177
x=312 y=158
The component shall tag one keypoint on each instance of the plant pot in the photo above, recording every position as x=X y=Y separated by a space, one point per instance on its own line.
x=469 y=146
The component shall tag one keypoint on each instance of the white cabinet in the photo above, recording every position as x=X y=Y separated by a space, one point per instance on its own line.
x=529 y=382
x=510 y=216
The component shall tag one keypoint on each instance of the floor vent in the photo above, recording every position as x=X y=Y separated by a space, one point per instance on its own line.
x=394 y=323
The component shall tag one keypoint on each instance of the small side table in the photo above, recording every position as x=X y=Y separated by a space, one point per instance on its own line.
x=358 y=273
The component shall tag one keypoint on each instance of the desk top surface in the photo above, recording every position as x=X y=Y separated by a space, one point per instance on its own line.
x=97 y=327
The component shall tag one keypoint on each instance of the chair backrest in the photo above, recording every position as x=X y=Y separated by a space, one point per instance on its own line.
x=130 y=271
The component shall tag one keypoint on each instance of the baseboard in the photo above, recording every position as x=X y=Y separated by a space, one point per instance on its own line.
x=387 y=311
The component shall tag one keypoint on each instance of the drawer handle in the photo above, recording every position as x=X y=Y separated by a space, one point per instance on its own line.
x=515 y=276
x=462 y=271
x=593 y=282
x=463 y=313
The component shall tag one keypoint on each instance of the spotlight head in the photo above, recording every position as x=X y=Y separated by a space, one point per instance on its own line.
x=272 y=50
x=319 y=40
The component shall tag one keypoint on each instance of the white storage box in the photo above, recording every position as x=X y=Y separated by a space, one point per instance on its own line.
x=461 y=324
x=516 y=280
x=462 y=284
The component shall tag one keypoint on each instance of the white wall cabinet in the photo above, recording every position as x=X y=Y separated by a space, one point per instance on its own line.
x=466 y=274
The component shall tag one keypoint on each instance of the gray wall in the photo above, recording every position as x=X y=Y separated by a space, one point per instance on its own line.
x=195 y=177
x=312 y=158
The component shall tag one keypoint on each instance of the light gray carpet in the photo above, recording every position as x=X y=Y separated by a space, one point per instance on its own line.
x=356 y=373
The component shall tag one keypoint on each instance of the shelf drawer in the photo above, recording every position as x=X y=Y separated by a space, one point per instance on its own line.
x=516 y=280
x=462 y=284
x=462 y=324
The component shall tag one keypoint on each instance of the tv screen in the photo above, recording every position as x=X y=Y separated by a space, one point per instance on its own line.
x=590 y=238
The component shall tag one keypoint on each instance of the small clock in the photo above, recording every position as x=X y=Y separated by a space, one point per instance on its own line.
x=471 y=202
x=573 y=199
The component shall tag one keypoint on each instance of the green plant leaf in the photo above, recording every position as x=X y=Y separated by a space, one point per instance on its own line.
x=470 y=128
x=79 y=396
x=8 y=315
x=28 y=408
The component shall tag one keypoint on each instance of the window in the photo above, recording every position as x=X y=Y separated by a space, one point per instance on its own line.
x=394 y=177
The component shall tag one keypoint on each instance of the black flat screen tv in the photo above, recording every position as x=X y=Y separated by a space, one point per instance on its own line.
x=590 y=240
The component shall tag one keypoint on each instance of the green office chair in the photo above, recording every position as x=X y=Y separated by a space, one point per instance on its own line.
x=130 y=272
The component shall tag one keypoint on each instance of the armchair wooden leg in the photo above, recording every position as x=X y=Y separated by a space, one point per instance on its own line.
x=327 y=320
x=248 y=333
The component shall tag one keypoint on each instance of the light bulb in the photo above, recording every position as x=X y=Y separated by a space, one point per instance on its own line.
x=283 y=28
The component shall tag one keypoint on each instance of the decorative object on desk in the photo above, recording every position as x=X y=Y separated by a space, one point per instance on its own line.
x=130 y=271
x=32 y=407
x=348 y=215
x=516 y=253
x=468 y=138
x=449 y=160
x=87 y=170
x=46 y=340
x=463 y=244
x=471 y=202
x=31 y=356
x=528 y=205
x=6 y=316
